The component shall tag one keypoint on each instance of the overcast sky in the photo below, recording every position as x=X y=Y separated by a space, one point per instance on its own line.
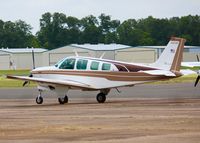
x=31 y=10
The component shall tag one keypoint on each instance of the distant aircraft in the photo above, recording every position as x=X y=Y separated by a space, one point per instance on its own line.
x=191 y=65
x=97 y=74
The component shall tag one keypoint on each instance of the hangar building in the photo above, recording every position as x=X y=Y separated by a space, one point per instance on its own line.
x=20 y=58
x=189 y=54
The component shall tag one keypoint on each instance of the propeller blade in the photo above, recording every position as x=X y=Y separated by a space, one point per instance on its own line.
x=197 y=80
x=26 y=82
x=33 y=57
x=197 y=58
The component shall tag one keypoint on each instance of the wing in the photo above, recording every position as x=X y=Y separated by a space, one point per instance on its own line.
x=69 y=83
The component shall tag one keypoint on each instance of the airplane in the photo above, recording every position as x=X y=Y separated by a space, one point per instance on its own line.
x=97 y=74
x=192 y=65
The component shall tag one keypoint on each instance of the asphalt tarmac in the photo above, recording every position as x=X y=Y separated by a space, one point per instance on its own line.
x=176 y=90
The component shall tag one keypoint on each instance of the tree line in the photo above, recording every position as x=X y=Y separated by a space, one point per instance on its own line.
x=58 y=30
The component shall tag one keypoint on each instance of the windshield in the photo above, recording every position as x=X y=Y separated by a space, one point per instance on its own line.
x=67 y=64
x=59 y=62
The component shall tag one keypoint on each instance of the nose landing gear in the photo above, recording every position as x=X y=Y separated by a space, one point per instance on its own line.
x=39 y=98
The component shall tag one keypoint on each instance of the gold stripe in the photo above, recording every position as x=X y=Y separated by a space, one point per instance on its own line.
x=114 y=76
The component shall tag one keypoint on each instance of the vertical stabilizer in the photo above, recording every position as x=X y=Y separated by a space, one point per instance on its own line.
x=171 y=57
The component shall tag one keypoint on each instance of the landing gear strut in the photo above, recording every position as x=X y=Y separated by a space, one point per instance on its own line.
x=101 y=97
x=63 y=100
x=39 y=99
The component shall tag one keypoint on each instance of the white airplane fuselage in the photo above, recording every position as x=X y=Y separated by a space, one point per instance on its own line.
x=98 y=78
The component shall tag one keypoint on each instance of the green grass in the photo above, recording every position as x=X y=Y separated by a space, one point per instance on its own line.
x=191 y=68
x=4 y=82
x=182 y=79
x=14 y=72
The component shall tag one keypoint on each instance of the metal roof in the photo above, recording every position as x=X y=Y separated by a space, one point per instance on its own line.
x=101 y=47
x=23 y=50
x=162 y=47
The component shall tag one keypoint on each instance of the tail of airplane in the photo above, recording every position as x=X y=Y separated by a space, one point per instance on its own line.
x=171 y=57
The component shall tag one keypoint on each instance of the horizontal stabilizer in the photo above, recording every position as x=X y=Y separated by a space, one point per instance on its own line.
x=159 y=72
x=190 y=64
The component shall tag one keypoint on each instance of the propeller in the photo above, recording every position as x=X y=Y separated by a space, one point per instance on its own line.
x=197 y=58
x=33 y=58
x=198 y=77
x=197 y=80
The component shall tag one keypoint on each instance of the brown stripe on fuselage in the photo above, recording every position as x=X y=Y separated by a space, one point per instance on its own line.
x=114 y=76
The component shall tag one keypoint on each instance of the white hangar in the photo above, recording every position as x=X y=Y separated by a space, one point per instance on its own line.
x=189 y=54
x=20 y=58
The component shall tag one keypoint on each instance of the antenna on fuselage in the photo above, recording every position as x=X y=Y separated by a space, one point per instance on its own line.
x=76 y=53
x=102 y=55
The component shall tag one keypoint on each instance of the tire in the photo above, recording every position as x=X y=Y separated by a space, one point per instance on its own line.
x=63 y=100
x=39 y=100
x=101 y=97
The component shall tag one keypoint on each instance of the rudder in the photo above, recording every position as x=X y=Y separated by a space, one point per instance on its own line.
x=171 y=57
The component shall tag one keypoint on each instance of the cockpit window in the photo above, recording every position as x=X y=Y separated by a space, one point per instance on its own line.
x=58 y=63
x=68 y=64
x=106 y=66
x=94 y=65
x=82 y=64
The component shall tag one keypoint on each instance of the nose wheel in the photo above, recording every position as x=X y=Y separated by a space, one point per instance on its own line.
x=39 y=100
x=63 y=100
x=101 y=97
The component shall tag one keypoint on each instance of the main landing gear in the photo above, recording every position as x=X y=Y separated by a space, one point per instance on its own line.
x=63 y=100
x=101 y=97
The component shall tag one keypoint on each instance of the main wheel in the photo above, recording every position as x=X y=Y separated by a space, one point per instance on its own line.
x=101 y=97
x=63 y=100
x=39 y=100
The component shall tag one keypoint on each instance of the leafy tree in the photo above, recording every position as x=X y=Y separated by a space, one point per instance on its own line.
x=57 y=30
x=16 y=34
x=108 y=29
x=90 y=33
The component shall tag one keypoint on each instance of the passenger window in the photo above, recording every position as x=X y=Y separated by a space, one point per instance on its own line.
x=68 y=64
x=82 y=64
x=94 y=65
x=106 y=66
